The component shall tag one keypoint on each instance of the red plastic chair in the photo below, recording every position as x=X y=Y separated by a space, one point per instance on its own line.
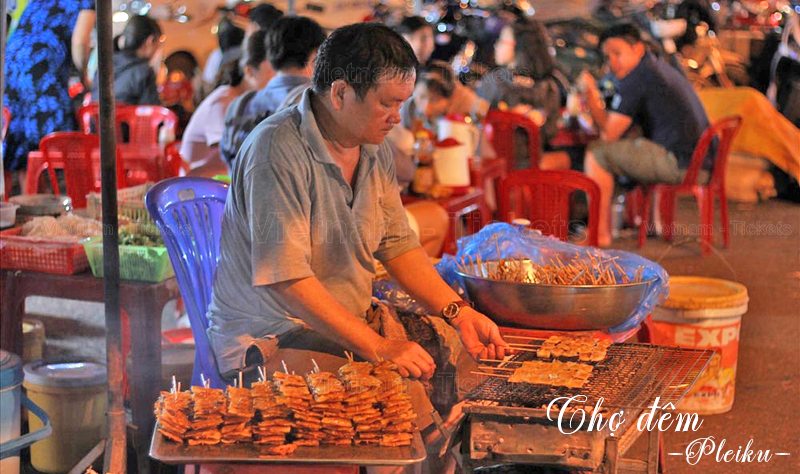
x=543 y=197
x=138 y=128
x=504 y=126
x=80 y=171
x=89 y=117
x=145 y=122
x=726 y=129
x=174 y=163
x=75 y=153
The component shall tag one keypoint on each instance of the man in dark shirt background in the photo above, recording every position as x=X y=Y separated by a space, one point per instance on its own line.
x=659 y=100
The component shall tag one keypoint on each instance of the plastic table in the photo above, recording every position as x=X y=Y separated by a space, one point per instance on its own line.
x=143 y=302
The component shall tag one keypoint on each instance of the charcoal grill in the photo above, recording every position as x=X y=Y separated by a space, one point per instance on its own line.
x=506 y=423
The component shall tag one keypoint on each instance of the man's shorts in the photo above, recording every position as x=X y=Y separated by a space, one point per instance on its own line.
x=638 y=159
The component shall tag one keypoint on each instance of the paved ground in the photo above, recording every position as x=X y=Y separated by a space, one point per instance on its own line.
x=764 y=256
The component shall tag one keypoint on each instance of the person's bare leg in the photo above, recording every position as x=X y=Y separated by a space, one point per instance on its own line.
x=605 y=181
x=555 y=160
x=432 y=220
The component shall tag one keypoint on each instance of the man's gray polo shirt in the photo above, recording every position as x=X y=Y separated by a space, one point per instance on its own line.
x=290 y=214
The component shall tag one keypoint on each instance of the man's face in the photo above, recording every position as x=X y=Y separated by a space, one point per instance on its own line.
x=421 y=42
x=372 y=117
x=621 y=56
x=429 y=103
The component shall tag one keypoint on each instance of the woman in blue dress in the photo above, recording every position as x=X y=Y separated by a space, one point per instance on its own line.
x=37 y=70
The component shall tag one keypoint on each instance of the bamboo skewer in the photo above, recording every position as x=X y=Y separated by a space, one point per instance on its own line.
x=494 y=360
x=527 y=338
x=524 y=349
x=488 y=367
x=475 y=372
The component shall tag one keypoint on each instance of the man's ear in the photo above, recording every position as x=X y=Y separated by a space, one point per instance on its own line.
x=337 y=93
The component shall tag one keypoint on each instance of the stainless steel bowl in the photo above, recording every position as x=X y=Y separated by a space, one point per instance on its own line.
x=561 y=307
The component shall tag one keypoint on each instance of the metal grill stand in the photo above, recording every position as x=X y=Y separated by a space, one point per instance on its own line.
x=496 y=435
x=506 y=423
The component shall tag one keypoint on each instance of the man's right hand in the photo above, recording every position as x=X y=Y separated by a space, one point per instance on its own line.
x=411 y=359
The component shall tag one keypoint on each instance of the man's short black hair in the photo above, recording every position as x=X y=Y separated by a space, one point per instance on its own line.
x=229 y=35
x=625 y=31
x=291 y=40
x=361 y=54
x=264 y=15
x=254 y=50
x=412 y=24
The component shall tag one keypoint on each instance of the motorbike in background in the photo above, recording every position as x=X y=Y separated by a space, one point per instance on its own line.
x=784 y=86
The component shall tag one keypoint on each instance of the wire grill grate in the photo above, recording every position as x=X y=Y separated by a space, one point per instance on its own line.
x=631 y=376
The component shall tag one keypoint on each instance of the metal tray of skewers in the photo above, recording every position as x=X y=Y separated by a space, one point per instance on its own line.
x=360 y=415
x=570 y=296
x=171 y=453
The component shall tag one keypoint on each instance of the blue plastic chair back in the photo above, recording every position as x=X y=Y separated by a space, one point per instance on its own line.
x=188 y=212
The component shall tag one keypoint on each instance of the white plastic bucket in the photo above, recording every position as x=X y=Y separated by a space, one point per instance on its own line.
x=456 y=127
x=704 y=313
x=451 y=164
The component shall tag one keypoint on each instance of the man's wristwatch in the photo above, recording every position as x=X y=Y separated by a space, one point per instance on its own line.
x=451 y=310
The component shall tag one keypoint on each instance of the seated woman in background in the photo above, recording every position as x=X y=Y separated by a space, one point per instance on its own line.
x=200 y=147
x=200 y=143
x=137 y=53
x=526 y=83
x=437 y=93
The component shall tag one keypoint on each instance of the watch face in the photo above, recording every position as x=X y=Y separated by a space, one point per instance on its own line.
x=451 y=310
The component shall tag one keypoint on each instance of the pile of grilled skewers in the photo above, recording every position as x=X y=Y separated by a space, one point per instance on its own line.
x=363 y=404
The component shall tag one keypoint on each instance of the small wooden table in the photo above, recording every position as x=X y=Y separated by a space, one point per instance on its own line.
x=143 y=302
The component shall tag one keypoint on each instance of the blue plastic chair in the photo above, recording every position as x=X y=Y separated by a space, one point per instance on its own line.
x=188 y=212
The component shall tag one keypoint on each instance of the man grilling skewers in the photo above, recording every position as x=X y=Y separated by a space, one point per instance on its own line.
x=313 y=199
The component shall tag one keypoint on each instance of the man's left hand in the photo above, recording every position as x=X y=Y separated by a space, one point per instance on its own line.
x=480 y=335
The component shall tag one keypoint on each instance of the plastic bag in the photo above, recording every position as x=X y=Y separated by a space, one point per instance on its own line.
x=506 y=241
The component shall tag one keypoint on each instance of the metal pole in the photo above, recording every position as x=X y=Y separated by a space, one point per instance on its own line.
x=115 y=453
x=418 y=7
x=291 y=9
x=3 y=32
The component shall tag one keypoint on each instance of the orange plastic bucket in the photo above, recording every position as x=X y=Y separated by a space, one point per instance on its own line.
x=704 y=313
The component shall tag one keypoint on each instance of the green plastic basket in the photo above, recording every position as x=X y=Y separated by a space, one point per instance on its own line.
x=139 y=263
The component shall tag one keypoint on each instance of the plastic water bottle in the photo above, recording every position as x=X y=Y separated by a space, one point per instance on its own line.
x=617 y=215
